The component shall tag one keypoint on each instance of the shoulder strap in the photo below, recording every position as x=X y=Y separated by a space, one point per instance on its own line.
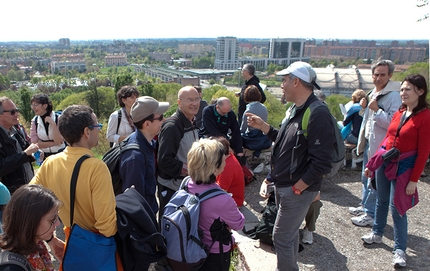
x=306 y=116
x=123 y=147
x=35 y=121
x=73 y=185
x=202 y=196
x=119 y=120
x=210 y=194
x=9 y=258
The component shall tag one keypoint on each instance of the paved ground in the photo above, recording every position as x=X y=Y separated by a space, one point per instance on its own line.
x=337 y=245
x=337 y=242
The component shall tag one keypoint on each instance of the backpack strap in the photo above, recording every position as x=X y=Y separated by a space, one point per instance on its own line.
x=73 y=182
x=307 y=115
x=124 y=146
x=119 y=120
x=12 y=258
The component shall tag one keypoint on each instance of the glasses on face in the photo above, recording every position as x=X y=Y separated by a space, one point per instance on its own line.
x=12 y=111
x=34 y=105
x=191 y=100
x=98 y=125
x=52 y=224
x=160 y=118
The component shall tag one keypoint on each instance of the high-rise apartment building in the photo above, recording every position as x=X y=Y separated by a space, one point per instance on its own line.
x=227 y=54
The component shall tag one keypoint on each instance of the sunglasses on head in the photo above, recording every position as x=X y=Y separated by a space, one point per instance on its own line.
x=12 y=111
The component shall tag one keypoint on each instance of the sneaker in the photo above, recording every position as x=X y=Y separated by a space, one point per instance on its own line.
x=357 y=211
x=399 y=258
x=308 y=237
x=363 y=220
x=371 y=238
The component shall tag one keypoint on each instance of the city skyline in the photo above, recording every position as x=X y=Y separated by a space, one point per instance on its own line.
x=330 y=19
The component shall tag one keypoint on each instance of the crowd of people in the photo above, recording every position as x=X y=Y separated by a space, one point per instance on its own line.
x=206 y=142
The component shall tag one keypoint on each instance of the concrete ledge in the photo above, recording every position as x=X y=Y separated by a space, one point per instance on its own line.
x=254 y=255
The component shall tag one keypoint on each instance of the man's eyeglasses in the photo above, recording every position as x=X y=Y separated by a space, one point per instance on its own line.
x=34 y=105
x=191 y=100
x=98 y=125
x=160 y=118
x=12 y=111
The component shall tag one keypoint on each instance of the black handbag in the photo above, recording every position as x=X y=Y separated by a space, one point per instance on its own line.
x=391 y=154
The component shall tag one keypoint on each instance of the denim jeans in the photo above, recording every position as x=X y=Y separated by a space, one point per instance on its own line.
x=352 y=139
x=292 y=209
x=385 y=193
x=368 y=195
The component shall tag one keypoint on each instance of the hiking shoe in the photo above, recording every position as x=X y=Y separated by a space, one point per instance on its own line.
x=371 y=238
x=363 y=220
x=308 y=237
x=357 y=211
x=399 y=258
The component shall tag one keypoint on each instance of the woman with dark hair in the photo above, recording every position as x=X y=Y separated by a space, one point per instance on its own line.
x=398 y=164
x=44 y=126
x=206 y=160
x=252 y=138
x=120 y=124
x=231 y=179
x=29 y=220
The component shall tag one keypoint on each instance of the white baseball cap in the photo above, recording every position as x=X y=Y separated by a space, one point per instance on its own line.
x=302 y=70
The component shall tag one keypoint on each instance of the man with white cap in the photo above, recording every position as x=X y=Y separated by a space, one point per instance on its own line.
x=137 y=167
x=297 y=163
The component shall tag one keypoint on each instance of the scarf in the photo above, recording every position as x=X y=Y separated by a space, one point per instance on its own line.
x=130 y=121
x=41 y=261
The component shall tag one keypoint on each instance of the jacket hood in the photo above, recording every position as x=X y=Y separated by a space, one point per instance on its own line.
x=392 y=86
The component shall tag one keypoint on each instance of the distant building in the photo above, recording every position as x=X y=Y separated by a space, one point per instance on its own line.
x=227 y=53
x=63 y=57
x=161 y=57
x=281 y=52
x=116 y=60
x=168 y=75
x=59 y=66
x=64 y=41
x=334 y=49
x=194 y=49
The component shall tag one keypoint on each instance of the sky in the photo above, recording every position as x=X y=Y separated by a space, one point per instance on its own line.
x=50 y=20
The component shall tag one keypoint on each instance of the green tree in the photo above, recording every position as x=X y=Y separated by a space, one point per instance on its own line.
x=123 y=80
x=25 y=109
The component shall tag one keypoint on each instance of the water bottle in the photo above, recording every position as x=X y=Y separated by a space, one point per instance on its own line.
x=36 y=156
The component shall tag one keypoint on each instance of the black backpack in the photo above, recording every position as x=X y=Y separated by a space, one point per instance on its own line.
x=13 y=261
x=264 y=230
x=112 y=159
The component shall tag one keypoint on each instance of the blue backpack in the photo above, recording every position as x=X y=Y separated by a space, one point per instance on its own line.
x=180 y=227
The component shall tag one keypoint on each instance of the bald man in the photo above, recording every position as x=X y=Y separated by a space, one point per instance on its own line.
x=220 y=120
x=177 y=135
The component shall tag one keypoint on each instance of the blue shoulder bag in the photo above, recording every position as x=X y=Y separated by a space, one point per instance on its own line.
x=87 y=250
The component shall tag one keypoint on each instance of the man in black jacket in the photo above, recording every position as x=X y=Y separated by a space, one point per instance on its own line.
x=248 y=71
x=15 y=151
x=297 y=163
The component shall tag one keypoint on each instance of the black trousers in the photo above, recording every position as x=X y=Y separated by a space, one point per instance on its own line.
x=217 y=262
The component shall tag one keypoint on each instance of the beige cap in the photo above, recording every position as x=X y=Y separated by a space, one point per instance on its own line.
x=145 y=106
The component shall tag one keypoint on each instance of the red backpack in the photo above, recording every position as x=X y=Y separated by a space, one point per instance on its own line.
x=248 y=174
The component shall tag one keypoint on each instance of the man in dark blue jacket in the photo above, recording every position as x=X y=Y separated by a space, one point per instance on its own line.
x=137 y=167
x=220 y=120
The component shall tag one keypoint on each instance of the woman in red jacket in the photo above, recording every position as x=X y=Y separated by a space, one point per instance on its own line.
x=397 y=178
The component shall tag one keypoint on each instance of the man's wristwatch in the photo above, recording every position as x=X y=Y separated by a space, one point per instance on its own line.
x=296 y=191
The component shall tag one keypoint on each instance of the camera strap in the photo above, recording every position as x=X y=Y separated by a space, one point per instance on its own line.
x=403 y=120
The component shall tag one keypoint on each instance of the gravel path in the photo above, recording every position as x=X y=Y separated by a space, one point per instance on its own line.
x=337 y=242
